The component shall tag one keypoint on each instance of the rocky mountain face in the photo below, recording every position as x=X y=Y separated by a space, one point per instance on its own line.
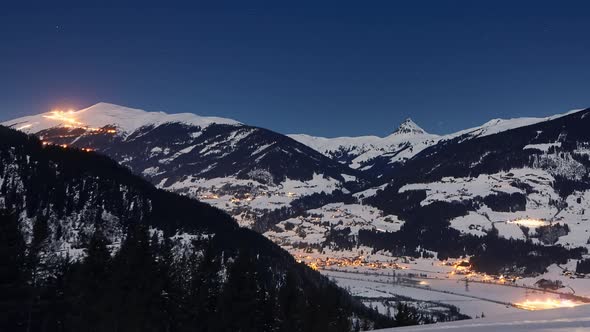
x=75 y=209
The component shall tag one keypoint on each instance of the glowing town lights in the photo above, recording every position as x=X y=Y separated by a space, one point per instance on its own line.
x=342 y=262
x=546 y=304
x=423 y=283
x=533 y=223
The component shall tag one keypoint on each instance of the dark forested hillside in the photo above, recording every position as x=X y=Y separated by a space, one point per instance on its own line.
x=87 y=246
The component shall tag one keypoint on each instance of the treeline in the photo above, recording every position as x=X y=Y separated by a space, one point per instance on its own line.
x=583 y=266
x=426 y=312
x=149 y=285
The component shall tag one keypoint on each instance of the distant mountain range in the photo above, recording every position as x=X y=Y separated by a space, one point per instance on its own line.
x=410 y=190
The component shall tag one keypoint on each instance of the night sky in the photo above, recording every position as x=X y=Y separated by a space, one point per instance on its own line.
x=319 y=67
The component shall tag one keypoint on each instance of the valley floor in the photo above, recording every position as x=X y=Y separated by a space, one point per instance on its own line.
x=424 y=283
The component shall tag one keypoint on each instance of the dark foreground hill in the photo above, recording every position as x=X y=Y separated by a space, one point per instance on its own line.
x=88 y=246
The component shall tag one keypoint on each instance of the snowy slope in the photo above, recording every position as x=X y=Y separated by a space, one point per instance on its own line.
x=500 y=125
x=558 y=320
x=125 y=119
x=364 y=152
x=358 y=152
x=330 y=221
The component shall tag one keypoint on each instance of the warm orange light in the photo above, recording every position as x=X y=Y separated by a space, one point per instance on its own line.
x=66 y=117
x=359 y=261
x=534 y=223
x=546 y=304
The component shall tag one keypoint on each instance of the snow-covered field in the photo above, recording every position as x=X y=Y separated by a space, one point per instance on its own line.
x=556 y=320
x=432 y=291
x=379 y=276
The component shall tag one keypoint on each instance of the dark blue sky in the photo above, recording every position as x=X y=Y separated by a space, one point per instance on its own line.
x=318 y=67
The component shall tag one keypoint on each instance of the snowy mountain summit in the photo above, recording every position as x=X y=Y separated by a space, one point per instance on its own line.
x=409 y=127
x=364 y=152
x=125 y=119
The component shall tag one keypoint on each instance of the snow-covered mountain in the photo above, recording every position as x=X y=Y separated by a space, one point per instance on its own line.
x=530 y=183
x=495 y=126
x=361 y=152
x=126 y=120
x=242 y=169
x=379 y=155
x=519 y=185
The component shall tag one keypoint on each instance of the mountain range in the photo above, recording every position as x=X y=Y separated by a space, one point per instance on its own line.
x=405 y=190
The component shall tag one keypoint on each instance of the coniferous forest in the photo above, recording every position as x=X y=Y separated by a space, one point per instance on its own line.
x=143 y=287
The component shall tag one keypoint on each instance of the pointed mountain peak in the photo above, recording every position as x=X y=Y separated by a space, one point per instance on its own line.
x=409 y=127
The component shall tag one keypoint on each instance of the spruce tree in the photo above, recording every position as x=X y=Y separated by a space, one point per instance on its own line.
x=405 y=316
x=13 y=275
x=137 y=295
x=89 y=288
x=238 y=301
x=204 y=290
x=292 y=304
